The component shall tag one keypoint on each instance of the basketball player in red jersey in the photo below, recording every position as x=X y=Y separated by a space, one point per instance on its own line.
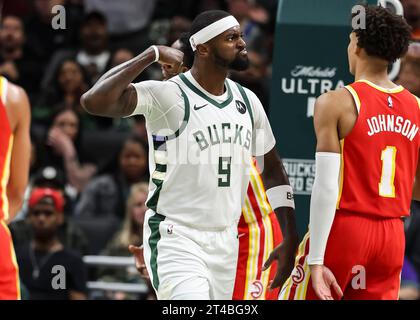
x=259 y=234
x=366 y=163
x=15 y=147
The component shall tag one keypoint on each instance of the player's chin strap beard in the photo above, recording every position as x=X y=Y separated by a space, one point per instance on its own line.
x=212 y=30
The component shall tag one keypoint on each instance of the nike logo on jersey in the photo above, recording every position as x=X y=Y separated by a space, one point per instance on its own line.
x=200 y=107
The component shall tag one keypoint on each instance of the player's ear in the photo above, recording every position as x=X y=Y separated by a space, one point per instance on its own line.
x=184 y=69
x=358 y=50
x=203 y=50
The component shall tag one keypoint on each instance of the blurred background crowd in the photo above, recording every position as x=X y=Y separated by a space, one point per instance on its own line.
x=100 y=165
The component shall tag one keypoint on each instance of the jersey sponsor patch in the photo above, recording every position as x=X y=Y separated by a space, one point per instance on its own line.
x=240 y=106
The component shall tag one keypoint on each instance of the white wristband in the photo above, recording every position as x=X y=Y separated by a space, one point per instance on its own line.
x=156 y=53
x=281 y=196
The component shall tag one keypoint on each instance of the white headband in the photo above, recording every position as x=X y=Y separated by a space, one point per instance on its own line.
x=212 y=30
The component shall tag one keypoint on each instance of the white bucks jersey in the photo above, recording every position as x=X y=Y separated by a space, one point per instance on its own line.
x=200 y=172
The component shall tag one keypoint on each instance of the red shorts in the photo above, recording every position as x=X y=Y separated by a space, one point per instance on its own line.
x=364 y=253
x=256 y=241
x=9 y=272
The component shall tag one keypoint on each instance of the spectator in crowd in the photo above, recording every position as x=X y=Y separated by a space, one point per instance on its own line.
x=409 y=76
x=410 y=284
x=70 y=82
x=132 y=227
x=16 y=7
x=412 y=15
x=412 y=236
x=38 y=259
x=128 y=21
x=69 y=234
x=62 y=150
x=139 y=127
x=166 y=9
x=178 y=26
x=17 y=63
x=33 y=169
x=41 y=36
x=93 y=55
x=106 y=195
x=131 y=232
x=120 y=56
x=252 y=33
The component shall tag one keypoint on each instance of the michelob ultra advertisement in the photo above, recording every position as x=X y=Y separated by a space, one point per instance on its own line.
x=303 y=69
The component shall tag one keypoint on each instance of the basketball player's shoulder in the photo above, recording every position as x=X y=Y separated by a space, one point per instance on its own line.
x=16 y=98
x=162 y=93
x=16 y=102
x=250 y=95
x=418 y=100
x=233 y=84
x=157 y=85
x=334 y=102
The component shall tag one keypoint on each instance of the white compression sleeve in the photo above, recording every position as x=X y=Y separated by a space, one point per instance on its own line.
x=323 y=203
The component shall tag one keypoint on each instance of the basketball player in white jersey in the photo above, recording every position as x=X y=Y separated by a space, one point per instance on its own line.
x=202 y=128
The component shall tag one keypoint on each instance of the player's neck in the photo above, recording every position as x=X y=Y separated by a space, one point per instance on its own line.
x=374 y=74
x=210 y=77
x=52 y=244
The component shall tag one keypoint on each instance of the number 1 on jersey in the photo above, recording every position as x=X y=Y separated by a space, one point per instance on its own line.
x=386 y=186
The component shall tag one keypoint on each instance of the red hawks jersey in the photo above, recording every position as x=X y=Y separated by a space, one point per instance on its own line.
x=379 y=156
x=6 y=142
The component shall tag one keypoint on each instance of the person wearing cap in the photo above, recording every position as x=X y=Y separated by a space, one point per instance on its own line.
x=203 y=128
x=38 y=259
x=69 y=233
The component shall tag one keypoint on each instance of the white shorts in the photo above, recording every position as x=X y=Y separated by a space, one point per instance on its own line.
x=189 y=264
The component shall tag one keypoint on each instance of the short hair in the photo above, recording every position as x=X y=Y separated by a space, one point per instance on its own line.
x=206 y=18
x=94 y=16
x=386 y=35
x=184 y=41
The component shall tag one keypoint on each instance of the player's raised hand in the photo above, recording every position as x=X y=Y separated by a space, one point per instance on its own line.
x=322 y=281
x=284 y=254
x=171 y=58
x=139 y=260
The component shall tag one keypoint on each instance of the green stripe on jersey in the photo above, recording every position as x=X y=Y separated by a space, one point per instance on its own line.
x=246 y=100
x=154 y=222
x=204 y=96
x=186 y=116
x=161 y=167
x=153 y=201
